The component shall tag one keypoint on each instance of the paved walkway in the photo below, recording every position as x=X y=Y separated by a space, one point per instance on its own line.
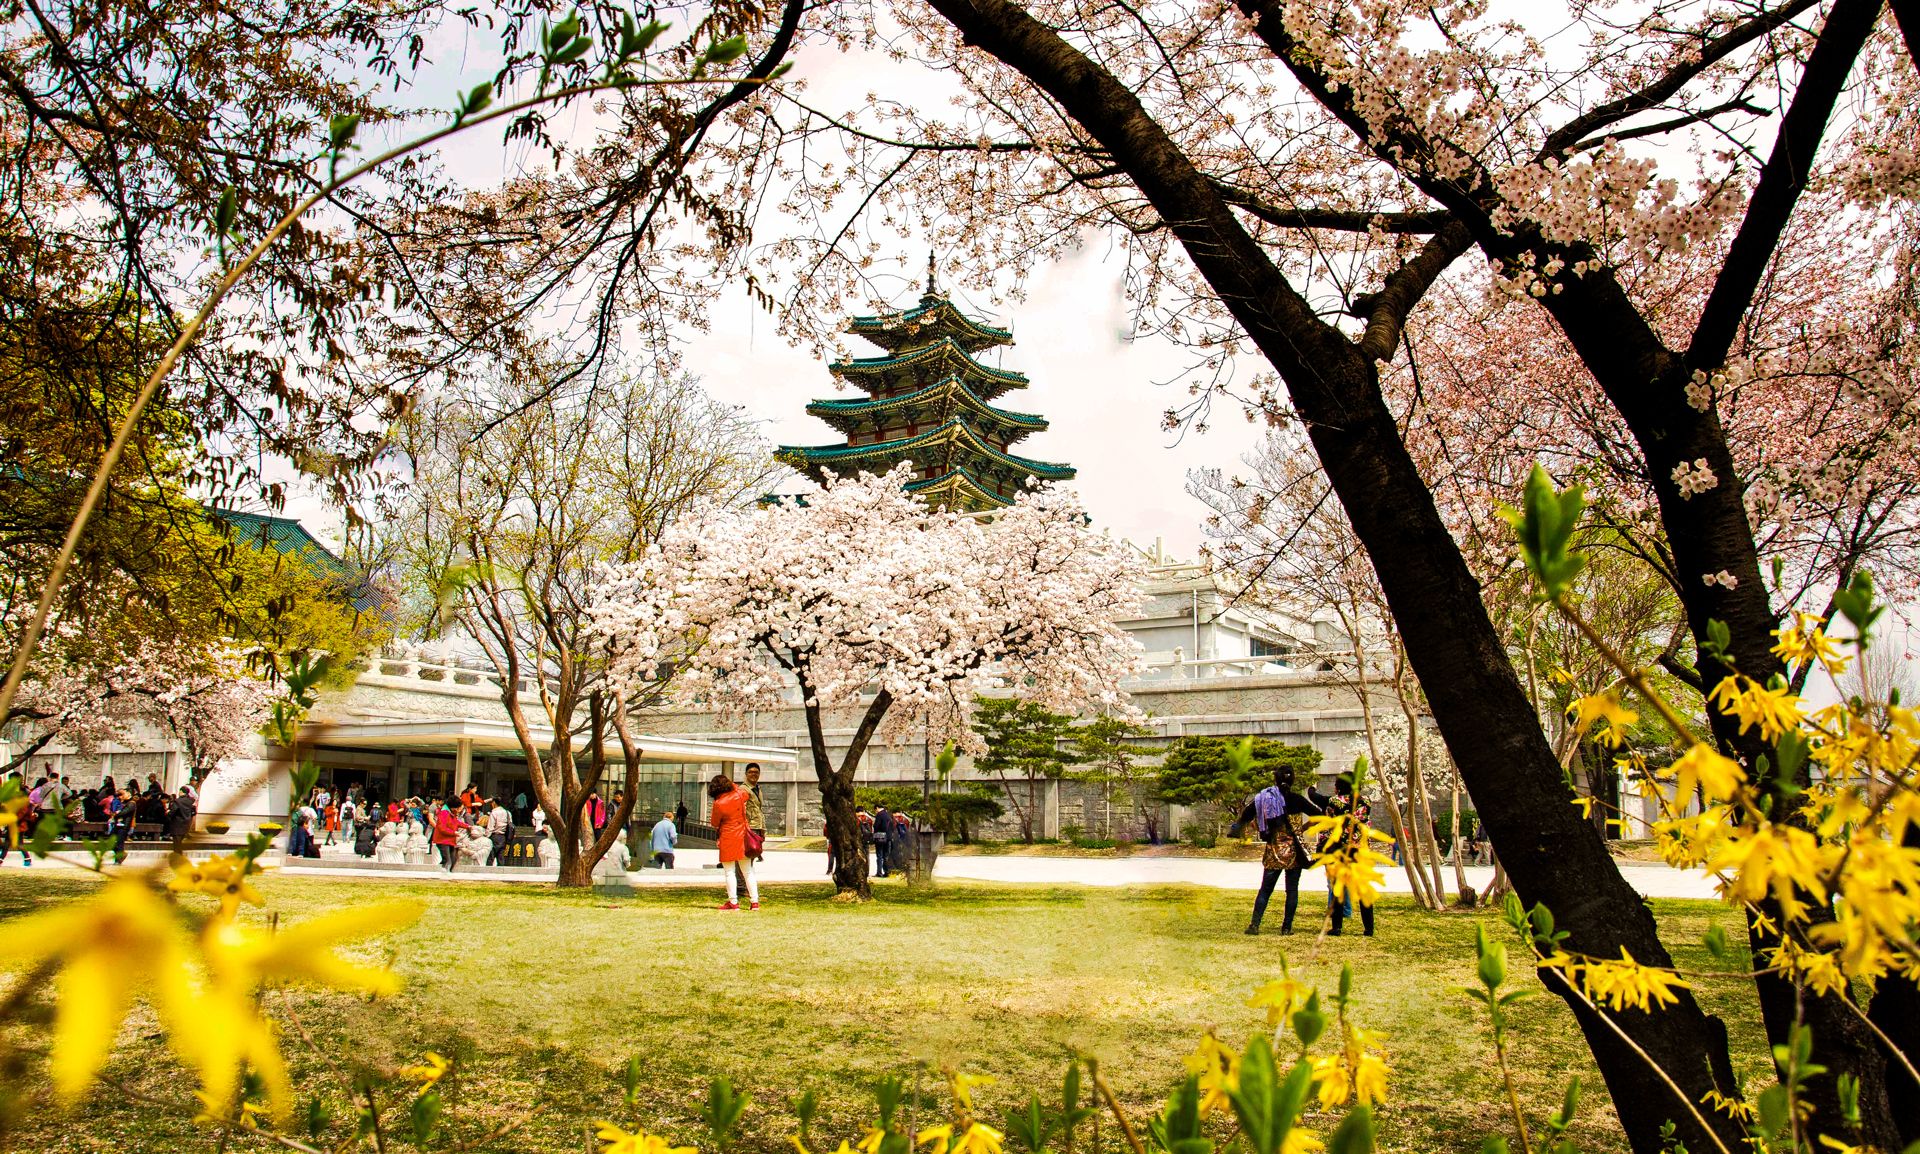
x=694 y=868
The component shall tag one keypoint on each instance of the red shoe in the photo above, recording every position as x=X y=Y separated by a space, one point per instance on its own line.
x=730 y=905
x=754 y=906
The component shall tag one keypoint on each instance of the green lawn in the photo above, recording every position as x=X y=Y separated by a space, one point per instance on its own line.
x=546 y=995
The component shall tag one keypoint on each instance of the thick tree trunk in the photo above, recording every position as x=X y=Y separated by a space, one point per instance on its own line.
x=836 y=789
x=1553 y=855
x=843 y=833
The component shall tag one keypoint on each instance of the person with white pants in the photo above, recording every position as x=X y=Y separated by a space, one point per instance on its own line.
x=728 y=817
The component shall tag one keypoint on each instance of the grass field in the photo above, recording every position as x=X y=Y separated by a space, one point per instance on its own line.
x=545 y=995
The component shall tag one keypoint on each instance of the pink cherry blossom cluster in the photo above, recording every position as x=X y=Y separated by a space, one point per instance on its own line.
x=863 y=588
x=212 y=701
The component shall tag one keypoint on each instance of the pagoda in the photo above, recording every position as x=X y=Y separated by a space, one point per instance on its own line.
x=929 y=401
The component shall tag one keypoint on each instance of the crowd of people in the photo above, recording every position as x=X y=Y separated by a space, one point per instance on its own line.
x=887 y=836
x=122 y=810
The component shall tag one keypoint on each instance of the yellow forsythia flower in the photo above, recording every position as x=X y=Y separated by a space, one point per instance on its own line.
x=10 y=814
x=614 y=1140
x=1604 y=709
x=1301 y=1140
x=1705 y=768
x=1774 y=710
x=1732 y=1107
x=978 y=1138
x=429 y=1071
x=962 y=1085
x=1621 y=984
x=229 y=1032
x=125 y=938
x=224 y=878
x=212 y=1114
x=1804 y=640
x=1355 y=1072
x=1218 y=1069
x=1786 y=861
x=1278 y=997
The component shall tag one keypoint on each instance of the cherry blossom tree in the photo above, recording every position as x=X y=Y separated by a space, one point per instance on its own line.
x=520 y=490
x=862 y=599
x=213 y=701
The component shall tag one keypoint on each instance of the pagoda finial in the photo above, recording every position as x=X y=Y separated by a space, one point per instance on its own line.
x=931 y=289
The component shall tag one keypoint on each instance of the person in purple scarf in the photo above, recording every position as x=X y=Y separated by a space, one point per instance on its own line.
x=1277 y=814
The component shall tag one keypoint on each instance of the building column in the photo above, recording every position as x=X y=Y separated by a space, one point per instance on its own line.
x=462 y=764
x=397 y=780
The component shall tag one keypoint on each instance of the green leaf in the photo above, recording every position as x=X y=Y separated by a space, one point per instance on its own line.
x=631 y=1080
x=1856 y=604
x=318 y=1118
x=725 y=51
x=1494 y=1144
x=340 y=130
x=563 y=32
x=1493 y=959
x=1719 y=637
x=424 y=1116
x=722 y=1110
x=1266 y=1106
x=1354 y=1135
x=1346 y=982
x=944 y=761
x=1029 y=1126
x=1308 y=1022
x=635 y=39
x=476 y=101
x=1544 y=527
x=805 y=1107
x=1716 y=941
x=226 y=212
x=1181 y=1118
x=889 y=1092
x=1559 y=1122
x=1772 y=1108
x=572 y=51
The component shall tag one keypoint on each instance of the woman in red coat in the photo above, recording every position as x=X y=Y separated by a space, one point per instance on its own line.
x=446 y=836
x=728 y=817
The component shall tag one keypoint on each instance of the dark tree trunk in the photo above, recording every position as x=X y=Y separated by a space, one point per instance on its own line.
x=836 y=788
x=843 y=832
x=1553 y=856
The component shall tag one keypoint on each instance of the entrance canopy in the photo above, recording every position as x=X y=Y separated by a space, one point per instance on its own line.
x=466 y=734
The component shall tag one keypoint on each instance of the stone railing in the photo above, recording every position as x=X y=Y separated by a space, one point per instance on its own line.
x=1179 y=666
x=407 y=668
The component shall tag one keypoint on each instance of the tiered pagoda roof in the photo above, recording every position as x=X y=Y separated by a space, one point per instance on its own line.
x=929 y=401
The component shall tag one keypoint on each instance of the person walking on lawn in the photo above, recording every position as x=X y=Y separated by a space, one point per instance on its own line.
x=728 y=816
x=664 y=837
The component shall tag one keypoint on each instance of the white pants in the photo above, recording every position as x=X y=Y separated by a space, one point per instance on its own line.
x=735 y=870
